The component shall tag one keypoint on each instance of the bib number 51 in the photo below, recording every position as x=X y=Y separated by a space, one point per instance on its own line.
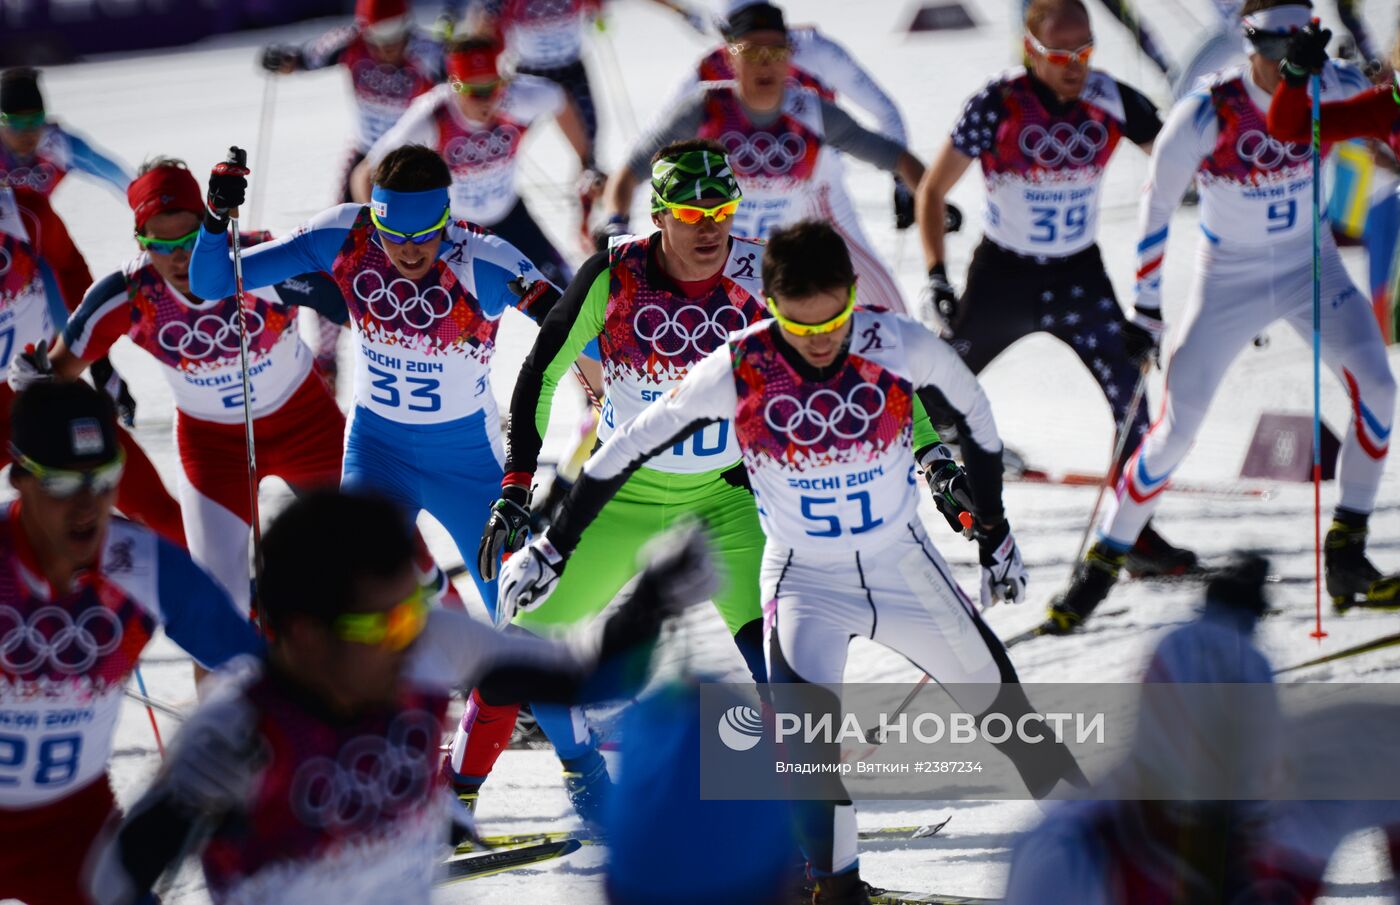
x=827 y=511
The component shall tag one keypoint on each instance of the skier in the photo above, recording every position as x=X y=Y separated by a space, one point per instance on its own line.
x=1043 y=136
x=477 y=123
x=37 y=152
x=426 y=294
x=775 y=134
x=390 y=63
x=1255 y=268
x=295 y=421
x=83 y=593
x=1129 y=846
x=821 y=399
x=657 y=305
x=41 y=271
x=309 y=776
x=819 y=63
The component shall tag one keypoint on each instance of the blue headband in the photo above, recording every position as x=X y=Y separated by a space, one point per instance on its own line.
x=408 y=212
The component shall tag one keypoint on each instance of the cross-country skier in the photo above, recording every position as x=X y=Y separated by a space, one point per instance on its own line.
x=657 y=305
x=1043 y=137
x=311 y=775
x=389 y=61
x=81 y=594
x=1255 y=267
x=477 y=123
x=41 y=272
x=426 y=294
x=297 y=425
x=38 y=152
x=821 y=402
x=822 y=64
x=776 y=134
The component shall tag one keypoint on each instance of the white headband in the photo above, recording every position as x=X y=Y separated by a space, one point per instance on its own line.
x=1279 y=19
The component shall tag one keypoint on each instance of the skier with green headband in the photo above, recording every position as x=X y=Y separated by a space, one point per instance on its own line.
x=656 y=304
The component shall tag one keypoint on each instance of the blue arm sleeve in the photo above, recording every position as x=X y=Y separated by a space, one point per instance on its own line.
x=57 y=311
x=197 y=612
x=311 y=248
x=495 y=265
x=88 y=159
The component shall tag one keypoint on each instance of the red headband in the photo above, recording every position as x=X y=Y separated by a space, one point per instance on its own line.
x=162 y=190
x=473 y=66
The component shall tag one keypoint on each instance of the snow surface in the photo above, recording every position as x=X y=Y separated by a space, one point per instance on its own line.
x=194 y=103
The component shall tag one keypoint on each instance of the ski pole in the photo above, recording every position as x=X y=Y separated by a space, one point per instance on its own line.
x=875 y=738
x=151 y=703
x=1138 y=392
x=239 y=157
x=616 y=82
x=146 y=699
x=1317 y=631
x=264 y=146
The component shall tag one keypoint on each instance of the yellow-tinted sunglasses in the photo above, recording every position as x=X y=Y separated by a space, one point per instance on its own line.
x=797 y=328
x=393 y=629
x=690 y=214
x=419 y=238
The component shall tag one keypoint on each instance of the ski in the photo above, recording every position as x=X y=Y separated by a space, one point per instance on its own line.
x=1367 y=647
x=484 y=865
x=1092 y=479
x=512 y=842
x=893 y=897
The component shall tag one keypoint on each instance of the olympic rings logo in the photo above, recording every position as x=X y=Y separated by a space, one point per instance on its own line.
x=486 y=146
x=373 y=777
x=825 y=412
x=36 y=177
x=400 y=297
x=763 y=152
x=689 y=328
x=52 y=635
x=1267 y=152
x=208 y=335
x=547 y=9
x=1064 y=143
x=385 y=81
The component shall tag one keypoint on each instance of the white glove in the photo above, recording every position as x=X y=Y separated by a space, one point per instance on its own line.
x=527 y=579
x=30 y=367
x=681 y=567
x=1004 y=576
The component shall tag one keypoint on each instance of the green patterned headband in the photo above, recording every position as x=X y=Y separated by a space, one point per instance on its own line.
x=687 y=177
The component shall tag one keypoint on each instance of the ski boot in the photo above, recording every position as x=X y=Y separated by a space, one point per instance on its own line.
x=588 y=784
x=842 y=889
x=1153 y=556
x=1350 y=575
x=1092 y=581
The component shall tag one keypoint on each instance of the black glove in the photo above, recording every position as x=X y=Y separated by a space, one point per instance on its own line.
x=278 y=58
x=1307 y=52
x=505 y=530
x=951 y=490
x=228 y=189
x=1004 y=577
x=1141 y=336
x=615 y=226
x=106 y=378
x=952 y=217
x=903 y=205
x=942 y=296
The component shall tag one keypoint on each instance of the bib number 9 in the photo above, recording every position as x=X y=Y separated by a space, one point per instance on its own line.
x=1283 y=215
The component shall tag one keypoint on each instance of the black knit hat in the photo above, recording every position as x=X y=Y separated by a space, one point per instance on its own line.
x=752 y=18
x=19 y=91
x=1240 y=584
x=64 y=425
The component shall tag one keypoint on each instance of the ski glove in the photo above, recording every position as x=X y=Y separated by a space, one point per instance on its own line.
x=30 y=367
x=903 y=204
x=1004 y=576
x=280 y=59
x=505 y=530
x=1307 y=53
x=1142 y=336
x=951 y=490
x=680 y=569
x=527 y=579
x=106 y=378
x=603 y=235
x=942 y=299
x=228 y=189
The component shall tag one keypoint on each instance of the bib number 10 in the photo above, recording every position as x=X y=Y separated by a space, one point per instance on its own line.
x=834 y=516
